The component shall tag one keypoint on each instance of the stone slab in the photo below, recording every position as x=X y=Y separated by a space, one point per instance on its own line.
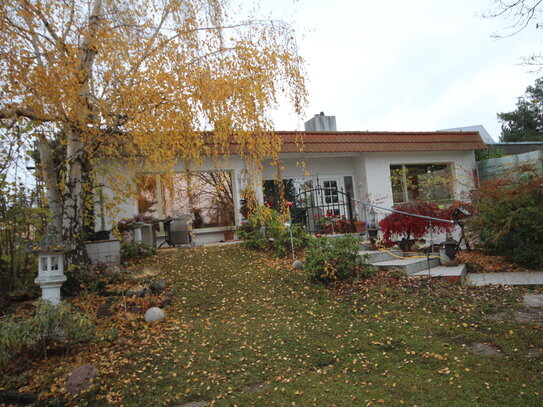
x=532 y=300
x=483 y=349
x=514 y=278
x=80 y=378
x=195 y=404
x=410 y=265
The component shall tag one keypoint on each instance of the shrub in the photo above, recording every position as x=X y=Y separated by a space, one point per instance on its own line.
x=136 y=250
x=330 y=259
x=80 y=278
x=411 y=226
x=266 y=231
x=490 y=152
x=508 y=217
x=50 y=324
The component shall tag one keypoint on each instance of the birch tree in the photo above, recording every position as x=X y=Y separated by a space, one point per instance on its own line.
x=141 y=79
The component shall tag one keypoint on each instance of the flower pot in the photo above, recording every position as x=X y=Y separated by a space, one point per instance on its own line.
x=228 y=235
x=450 y=249
x=406 y=245
x=360 y=227
x=101 y=235
x=372 y=233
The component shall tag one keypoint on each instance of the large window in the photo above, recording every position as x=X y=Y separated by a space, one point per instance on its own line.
x=207 y=196
x=426 y=182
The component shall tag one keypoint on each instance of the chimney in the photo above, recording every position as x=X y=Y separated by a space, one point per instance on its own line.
x=321 y=123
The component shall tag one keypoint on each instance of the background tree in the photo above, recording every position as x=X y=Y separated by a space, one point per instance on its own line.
x=490 y=152
x=521 y=14
x=526 y=122
x=21 y=212
x=138 y=80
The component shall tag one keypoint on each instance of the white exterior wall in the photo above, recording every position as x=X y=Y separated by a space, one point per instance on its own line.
x=370 y=171
x=377 y=167
x=315 y=164
x=360 y=179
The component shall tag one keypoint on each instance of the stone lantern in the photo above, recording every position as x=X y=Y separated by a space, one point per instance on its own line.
x=50 y=251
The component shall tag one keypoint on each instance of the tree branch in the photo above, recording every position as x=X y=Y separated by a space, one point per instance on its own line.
x=522 y=13
x=13 y=112
x=56 y=39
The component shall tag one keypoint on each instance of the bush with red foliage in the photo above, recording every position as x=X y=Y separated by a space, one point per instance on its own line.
x=414 y=227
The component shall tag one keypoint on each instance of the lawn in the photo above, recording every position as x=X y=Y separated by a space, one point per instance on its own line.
x=244 y=329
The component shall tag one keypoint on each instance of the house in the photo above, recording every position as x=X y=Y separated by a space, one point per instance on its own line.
x=485 y=135
x=383 y=167
x=515 y=155
x=508 y=148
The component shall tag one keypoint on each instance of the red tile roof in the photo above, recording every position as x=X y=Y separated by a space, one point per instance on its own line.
x=366 y=141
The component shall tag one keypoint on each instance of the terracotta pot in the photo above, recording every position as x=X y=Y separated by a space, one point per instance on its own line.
x=228 y=235
x=360 y=227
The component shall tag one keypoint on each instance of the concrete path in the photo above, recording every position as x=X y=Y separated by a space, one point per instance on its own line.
x=516 y=278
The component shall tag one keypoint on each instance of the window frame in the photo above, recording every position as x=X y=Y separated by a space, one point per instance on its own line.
x=414 y=193
x=161 y=196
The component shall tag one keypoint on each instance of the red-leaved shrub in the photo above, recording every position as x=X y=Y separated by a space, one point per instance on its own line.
x=413 y=227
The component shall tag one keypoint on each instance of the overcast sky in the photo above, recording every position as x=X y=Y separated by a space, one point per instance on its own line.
x=407 y=65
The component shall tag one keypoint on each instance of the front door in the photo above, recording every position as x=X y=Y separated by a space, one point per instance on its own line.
x=332 y=199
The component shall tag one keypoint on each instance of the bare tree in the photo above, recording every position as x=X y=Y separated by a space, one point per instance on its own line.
x=522 y=14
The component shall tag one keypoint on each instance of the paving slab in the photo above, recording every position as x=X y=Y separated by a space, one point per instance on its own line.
x=484 y=349
x=256 y=387
x=514 y=278
x=195 y=404
x=532 y=300
x=522 y=316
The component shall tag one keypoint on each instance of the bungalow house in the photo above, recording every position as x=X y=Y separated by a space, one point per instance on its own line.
x=386 y=168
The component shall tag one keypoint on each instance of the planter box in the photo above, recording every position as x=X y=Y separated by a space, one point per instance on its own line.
x=104 y=251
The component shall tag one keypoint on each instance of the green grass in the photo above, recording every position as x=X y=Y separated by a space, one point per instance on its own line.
x=240 y=318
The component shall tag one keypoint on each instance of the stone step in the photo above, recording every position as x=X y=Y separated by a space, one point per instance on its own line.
x=455 y=274
x=410 y=265
x=374 y=256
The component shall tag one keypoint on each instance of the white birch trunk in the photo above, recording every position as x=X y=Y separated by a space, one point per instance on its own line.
x=76 y=160
x=49 y=175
